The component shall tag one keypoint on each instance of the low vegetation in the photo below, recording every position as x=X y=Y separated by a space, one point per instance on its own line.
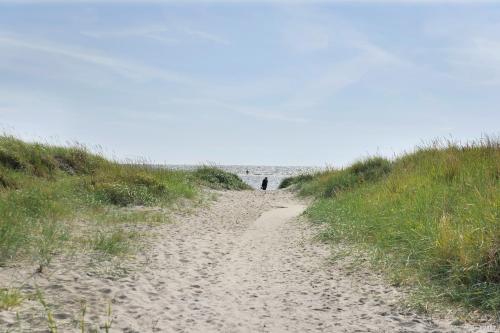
x=431 y=218
x=294 y=181
x=219 y=179
x=9 y=298
x=53 y=196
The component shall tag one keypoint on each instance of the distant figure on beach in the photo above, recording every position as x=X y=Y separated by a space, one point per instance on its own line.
x=248 y=172
x=264 y=184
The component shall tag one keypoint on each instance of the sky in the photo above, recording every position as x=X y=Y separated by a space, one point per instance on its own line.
x=249 y=82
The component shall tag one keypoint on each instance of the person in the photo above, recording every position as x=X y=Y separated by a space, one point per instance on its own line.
x=264 y=184
x=248 y=172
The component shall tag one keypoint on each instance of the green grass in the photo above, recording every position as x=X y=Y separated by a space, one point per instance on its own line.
x=113 y=242
x=295 y=181
x=117 y=216
x=10 y=298
x=220 y=180
x=47 y=192
x=431 y=218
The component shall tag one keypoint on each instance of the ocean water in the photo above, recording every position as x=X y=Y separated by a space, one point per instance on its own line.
x=274 y=174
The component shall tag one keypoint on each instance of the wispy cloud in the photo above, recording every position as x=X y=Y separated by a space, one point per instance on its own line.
x=205 y=35
x=315 y=92
x=119 y=66
x=195 y=90
x=353 y=56
x=379 y=54
x=126 y=31
x=231 y=107
x=162 y=33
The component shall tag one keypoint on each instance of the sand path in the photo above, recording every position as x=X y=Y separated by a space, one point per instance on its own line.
x=244 y=264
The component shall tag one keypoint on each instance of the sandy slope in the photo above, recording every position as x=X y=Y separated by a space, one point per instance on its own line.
x=226 y=268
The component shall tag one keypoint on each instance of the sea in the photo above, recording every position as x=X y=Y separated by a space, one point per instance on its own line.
x=256 y=173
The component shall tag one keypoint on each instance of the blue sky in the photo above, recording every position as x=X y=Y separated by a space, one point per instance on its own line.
x=255 y=82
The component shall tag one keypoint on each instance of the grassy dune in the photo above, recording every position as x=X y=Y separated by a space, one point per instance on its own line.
x=58 y=198
x=431 y=218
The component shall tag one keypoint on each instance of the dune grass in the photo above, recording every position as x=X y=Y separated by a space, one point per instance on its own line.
x=295 y=181
x=432 y=218
x=47 y=193
x=9 y=298
x=113 y=242
x=219 y=179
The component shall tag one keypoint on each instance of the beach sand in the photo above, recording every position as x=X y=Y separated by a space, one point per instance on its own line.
x=245 y=263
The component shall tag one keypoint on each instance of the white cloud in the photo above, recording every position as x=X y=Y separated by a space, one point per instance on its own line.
x=121 y=67
x=261 y=113
x=205 y=36
x=160 y=33
x=193 y=89
x=353 y=56
x=231 y=107
x=126 y=32
x=333 y=78
x=379 y=54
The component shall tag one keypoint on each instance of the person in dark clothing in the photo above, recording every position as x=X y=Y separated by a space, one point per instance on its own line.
x=264 y=184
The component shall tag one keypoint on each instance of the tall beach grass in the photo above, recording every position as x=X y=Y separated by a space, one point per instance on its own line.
x=47 y=192
x=431 y=218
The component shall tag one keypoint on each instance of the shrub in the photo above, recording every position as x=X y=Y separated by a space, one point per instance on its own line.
x=114 y=243
x=6 y=180
x=330 y=182
x=10 y=159
x=120 y=194
x=77 y=160
x=371 y=169
x=45 y=160
x=289 y=181
x=219 y=179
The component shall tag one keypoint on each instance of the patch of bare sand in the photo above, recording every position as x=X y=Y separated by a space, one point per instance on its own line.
x=244 y=264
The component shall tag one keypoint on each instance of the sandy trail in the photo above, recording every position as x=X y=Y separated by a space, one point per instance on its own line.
x=244 y=264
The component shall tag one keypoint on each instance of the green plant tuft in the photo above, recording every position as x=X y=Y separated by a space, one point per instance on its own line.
x=219 y=179
x=296 y=180
x=113 y=242
x=10 y=298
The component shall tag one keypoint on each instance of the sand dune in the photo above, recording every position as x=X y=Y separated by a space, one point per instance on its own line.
x=246 y=263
